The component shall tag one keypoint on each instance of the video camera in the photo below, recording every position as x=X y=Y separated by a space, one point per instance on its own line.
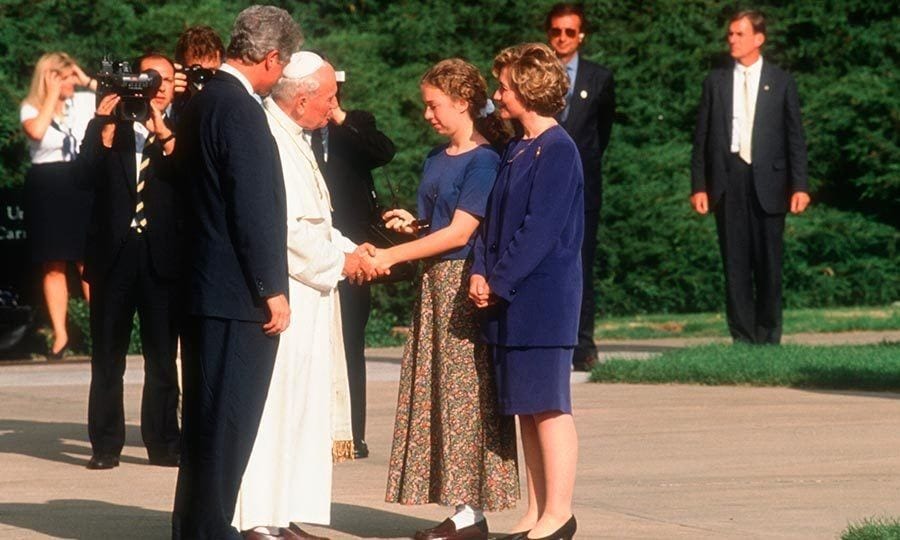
x=197 y=75
x=135 y=89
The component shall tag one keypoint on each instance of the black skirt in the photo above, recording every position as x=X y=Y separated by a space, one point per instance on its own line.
x=57 y=213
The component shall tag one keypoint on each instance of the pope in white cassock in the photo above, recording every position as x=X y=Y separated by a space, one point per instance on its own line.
x=306 y=420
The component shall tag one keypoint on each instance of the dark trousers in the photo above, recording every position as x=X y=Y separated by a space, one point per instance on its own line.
x=227 y=366
x=751 y=243
x=586 y=346
x=356 y=301
x=129 y=285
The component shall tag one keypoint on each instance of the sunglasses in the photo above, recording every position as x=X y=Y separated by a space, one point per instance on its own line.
x=556 y=32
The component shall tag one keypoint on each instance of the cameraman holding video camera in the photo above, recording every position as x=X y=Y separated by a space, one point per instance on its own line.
x=131 y=260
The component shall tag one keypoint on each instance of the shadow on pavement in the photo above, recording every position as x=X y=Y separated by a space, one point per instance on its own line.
x=860 y=381
x=371 y=522
x=47 y=440
x=880 y=394
x=65 y=518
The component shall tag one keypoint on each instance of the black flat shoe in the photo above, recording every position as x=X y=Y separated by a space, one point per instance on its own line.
x=103 y=461
x=360 y=450
x=566 y=532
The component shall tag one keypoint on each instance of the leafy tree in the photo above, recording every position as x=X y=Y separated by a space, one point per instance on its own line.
x=656 y=255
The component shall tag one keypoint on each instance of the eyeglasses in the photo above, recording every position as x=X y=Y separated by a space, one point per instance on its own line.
x=556 y=32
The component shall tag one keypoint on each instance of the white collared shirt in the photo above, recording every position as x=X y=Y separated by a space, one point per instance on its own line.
x=77 y=112
x=737 y=115
x=231 y=70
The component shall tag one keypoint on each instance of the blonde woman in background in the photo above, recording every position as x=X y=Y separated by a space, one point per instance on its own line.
x=54 y=117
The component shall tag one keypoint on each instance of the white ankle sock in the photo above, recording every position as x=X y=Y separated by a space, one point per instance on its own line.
x=466 y=515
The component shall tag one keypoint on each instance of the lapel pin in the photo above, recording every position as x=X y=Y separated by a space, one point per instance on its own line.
x=583 y=94
x=766 y=88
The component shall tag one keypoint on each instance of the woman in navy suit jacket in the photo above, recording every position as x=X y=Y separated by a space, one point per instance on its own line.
x=527 y=279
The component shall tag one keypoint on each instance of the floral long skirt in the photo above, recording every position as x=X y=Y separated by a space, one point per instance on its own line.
x=451 y=445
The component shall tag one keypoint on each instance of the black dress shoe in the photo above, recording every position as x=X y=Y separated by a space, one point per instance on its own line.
x=360 y=450
x=164 y=459
x=585 y=362
x=446 y=530
x=566 y=532
x=103 y=461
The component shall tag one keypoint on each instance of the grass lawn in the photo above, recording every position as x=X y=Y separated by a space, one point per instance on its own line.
x=873 y=529
x=862 y=367
x=713 y=324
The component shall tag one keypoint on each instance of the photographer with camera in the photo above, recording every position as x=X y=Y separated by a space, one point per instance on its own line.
x=132 y=254
x=198 y=55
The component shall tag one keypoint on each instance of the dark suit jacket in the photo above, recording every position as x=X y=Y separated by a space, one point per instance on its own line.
x=589 y=123
x=778 y=145
x=112 y=174
x=354 y=149
x=227 y=159
x=529 y=246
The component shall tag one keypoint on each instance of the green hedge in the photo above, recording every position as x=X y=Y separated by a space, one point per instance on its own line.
x=656 y=256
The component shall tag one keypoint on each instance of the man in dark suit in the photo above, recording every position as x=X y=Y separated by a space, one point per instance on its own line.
x=238 y=279
x=348 y=149
x=749 y=167
x=588 y=118
x=132 y=264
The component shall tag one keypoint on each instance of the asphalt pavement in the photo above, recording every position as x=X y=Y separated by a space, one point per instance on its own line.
x=656 y=462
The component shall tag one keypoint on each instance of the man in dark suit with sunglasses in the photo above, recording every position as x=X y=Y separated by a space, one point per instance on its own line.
x=588 y=118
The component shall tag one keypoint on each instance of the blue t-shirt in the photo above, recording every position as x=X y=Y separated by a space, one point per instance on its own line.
x=461 y=182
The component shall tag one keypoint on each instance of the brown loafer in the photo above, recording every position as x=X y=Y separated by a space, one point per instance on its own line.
x=294 y=532
x=446 y=530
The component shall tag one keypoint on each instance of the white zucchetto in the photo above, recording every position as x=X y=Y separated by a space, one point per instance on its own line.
x=302 y=64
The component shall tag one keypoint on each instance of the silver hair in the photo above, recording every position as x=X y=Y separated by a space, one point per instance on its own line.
x=260 y=29
x=286 y=89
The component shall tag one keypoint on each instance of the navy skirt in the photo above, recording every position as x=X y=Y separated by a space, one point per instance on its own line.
x=57 y=212
x=533 y=380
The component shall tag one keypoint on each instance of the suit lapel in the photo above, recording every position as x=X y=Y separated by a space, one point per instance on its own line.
x=726 y=91
x=763 y=99
x=576 y=103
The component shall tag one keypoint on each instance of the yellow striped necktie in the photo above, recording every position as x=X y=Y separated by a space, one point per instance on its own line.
x=140 y=217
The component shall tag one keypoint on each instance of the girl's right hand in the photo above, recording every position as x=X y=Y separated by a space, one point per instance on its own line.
x=400 y=220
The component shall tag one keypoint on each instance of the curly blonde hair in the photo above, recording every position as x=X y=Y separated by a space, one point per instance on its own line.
x=536 y=76
x=461 y=80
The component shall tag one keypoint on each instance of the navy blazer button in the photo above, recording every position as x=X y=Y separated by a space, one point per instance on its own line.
x=493 y=247
x=512 y=291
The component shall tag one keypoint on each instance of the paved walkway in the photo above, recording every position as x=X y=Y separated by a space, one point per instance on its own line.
x=657 y=462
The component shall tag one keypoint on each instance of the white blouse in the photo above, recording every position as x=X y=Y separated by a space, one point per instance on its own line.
x=63 y=137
